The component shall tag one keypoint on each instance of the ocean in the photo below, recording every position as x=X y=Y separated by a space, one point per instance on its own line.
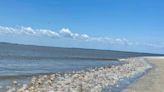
x=19 y=62
x=23 y=60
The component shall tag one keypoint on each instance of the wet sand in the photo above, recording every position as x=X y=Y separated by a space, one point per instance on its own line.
x=153 y=81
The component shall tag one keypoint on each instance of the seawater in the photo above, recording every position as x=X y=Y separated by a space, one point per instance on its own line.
x=20 y=62
x=25 y=60
x=22 y=67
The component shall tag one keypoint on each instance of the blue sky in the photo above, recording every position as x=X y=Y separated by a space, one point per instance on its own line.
x=130 y=25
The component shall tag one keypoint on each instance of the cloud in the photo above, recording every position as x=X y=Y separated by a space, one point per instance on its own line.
x=67 y=33
x=28 y=31
x=155 y=45
x=84 y=37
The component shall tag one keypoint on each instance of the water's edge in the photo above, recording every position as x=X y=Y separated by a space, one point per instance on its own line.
x=125 y=82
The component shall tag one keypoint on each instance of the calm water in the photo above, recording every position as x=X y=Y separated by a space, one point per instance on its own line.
x=11 y=67
x=21 y=62
x=18 y=60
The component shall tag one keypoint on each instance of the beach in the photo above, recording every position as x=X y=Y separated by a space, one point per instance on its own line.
x=100 y=79
x=139 y=74
x=153 y=81
x=82 y=46
x=28 y=68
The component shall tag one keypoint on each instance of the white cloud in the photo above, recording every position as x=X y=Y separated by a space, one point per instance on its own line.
x=84 y=37
x=64 y=32
x=28 y=31
x=155 y=45
x=67 y=33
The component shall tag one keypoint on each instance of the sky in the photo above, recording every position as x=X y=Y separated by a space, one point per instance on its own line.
x=126 y=25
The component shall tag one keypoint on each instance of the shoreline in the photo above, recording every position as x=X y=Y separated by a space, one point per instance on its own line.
x=151 y=82
x=123 y=84
x=93 y=80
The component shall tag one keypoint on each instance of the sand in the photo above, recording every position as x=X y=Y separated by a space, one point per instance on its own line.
x=153 y=81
